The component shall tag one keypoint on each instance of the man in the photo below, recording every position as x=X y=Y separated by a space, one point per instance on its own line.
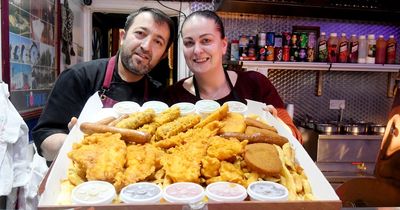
x=147 y=35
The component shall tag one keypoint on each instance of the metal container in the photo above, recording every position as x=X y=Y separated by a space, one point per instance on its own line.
x=327 y=128
x=377 y=129
x=355 y=129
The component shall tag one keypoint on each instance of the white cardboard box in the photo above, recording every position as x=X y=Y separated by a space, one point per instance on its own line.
x=325 y=195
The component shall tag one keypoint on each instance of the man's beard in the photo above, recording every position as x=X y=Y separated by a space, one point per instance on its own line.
x=127 y=62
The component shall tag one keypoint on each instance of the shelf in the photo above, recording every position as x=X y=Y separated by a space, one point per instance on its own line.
x=255 y=65
x=365 y=67
x=266 y=65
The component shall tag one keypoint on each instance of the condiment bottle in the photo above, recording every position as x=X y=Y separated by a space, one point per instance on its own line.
x=353 y=49
x=332 y=48
x=343 y=49
x=380 y=50
x=371 y=42
x=322 y=48
x=362 y=49
x=391 y=50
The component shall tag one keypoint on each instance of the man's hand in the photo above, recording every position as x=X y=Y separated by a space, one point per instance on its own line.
x=72 y=123
x=271 y=109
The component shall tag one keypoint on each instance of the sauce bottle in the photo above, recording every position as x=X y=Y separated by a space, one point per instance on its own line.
x=322 y=48
x=332 y=48
x=371 y=43
x=353 y=49
x=391 y=50
x=343 y=50
x=362 y=49
x=380 y=50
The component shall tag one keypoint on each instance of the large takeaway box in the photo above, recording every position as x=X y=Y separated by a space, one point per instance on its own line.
x=324 y=194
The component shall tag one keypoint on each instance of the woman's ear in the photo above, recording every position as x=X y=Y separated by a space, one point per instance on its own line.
x=224 y=45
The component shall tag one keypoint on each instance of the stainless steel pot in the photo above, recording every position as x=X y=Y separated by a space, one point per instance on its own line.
x=327 y=128
x=355 y=129
x=377 y=129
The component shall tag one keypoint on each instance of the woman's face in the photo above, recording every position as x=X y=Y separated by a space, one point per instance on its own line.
x=203 y=47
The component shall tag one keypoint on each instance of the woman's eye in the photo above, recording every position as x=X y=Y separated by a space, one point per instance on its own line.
x=206 y=41
x=188 y=43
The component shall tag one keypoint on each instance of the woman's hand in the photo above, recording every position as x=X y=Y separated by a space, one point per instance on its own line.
x=271 y=109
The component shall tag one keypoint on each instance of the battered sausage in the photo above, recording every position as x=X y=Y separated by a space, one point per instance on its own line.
x=127 y=134
x=256 y=123
x=256 y=138
x=106 y=120
x=115 y=121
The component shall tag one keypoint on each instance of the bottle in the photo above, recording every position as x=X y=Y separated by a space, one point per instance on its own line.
x=362 y=49
x=391 y=50
x=332 y=48
x=343 y=50
x=311 y=47
x=235 y=50
x=322 y=48
x=353 y=49
x=380 y=50
x=371 y=43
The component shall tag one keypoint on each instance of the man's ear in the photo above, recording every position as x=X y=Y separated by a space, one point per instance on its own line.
x=121 y=36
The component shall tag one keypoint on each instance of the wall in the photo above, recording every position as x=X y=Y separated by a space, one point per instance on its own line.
x=364 y=92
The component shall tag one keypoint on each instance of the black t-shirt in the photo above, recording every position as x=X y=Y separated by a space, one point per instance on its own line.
x=73 y=88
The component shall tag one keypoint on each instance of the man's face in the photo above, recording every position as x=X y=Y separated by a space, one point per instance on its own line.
x=144 y=44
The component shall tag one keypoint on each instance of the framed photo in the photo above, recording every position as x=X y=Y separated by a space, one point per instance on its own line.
x=31 y=59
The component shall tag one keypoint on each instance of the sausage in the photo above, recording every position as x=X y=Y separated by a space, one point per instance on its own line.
x=106 y=120
x=256 y=123
x=115 y=121
x=256 y=138
x=126 y=134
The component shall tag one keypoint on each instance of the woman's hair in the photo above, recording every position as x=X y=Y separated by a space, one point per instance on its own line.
x=159 y=17
x=209 y=15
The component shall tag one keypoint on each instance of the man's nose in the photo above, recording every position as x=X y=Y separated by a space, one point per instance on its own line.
x=145 y=45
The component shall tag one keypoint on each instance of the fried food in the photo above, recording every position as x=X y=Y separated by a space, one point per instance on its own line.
x=102 y=156
x=166 y=116
x=142 y=162
x=182 y=124
x=233 y=122
x=225 y=149
x=256 y=123
x=263 y=158
x=210 y=167
x=217 y=115
x=268 y=135
x=137 y=119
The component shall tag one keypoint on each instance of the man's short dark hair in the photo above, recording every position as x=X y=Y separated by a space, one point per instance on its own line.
x=159 y=17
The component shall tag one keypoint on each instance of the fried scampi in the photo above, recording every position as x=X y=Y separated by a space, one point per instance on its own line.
x=167 y=116
x=177 y=126
x=137 y=119
x=100 y=156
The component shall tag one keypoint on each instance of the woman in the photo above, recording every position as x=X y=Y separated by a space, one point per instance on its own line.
x=204 y=44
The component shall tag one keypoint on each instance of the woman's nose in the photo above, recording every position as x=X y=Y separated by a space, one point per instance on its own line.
x=197 y=48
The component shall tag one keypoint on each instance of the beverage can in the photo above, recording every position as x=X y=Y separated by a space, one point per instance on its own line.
x=285 y=53
x=294 y=42
x=278 y=54
x=262 y=52
x=310 y=54
x=278 y=40
x=286 y=36
x=270 y=53
x=303 y=40
x=302 y=54
x=262 y=36
x=270 y=39
x=235 y=50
